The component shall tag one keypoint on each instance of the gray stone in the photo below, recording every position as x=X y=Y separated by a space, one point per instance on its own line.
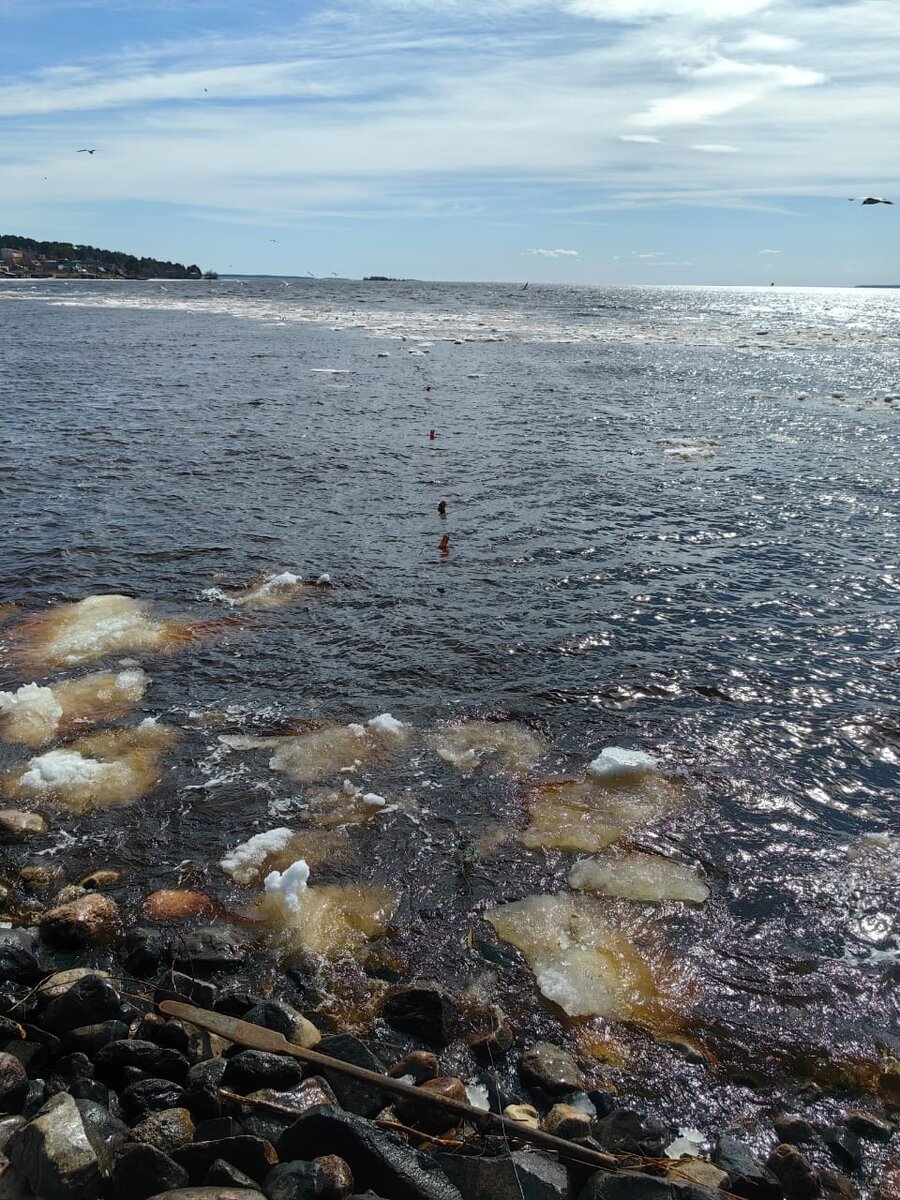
x=89 y=1000
x=13 y=1083
x=516 y=1176
x=104 y=1131
x=18 y=957
x=208 y=1193
x=8 y=1126
x=747 y=1177
x=376 y=1159
x=624 y=1131
x=552 y=1068
x=356 y=1097
x=207 y=948
x=158 y=1061
x=423 y=1010
x=16 y=825
x=252 y=1155
x=794 y=1130
x=844 y=1146
x=224 y=1174
x=295 y=1181
x=625 y=1185
x=141 y=1171
x=869 y=1125
x=54 y=1154
x=88 y=1039
x=167 y=1130
x=146 y=1096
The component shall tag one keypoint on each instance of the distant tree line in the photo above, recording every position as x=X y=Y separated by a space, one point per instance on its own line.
x=117 y=260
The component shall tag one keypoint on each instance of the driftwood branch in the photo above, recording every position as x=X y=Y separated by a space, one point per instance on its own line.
x=255 y=1037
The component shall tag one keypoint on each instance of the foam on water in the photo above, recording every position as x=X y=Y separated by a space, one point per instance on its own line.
x=34 y=715
x=638 y=876
x=467 y=744
x=266 y=591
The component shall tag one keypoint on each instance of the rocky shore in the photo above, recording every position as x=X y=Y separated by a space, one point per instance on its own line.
x=104 y=1095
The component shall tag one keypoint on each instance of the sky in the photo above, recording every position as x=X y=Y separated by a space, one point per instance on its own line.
x=569 y=141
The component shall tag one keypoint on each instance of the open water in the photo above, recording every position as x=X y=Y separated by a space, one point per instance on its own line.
x=673 y=527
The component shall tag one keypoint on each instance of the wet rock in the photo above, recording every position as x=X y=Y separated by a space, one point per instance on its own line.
x=525 y=1114
x=423 y=1010
x=223 y=1174
x=69 y=1069
x=90 y=918
x=8 y=1126
x=217 y=1127
x=13 y=1083
x=88 y=1039
x=90 y=999
x=283 y=1018
x=493 y=1045
x=869 y=1126
x=140 y=1171
x=312 y=1093
x=699 y=1171
x=175 y=985
x=147 y=1096
x=747 y=1177
x=566 y=1121
x=157 y=1061
x=517 y=1176
x=18 y=959
x=797 y=1175
x=295 y=1181
x=17 y=826
x=207 y=948
x=844 y=1146
x=208 y=1193
x=89 y=1089
x=624 y=1131
x=254 y=1156
x=420 y=1064
x=177 y=905
x=104 y=1131
x=625 y=1185
x=61 y=981
x=38 y=879
x=202 y=1089
x=54 y=1155
x=383 y=1162
x=338 y=1177
x=795 y=1131
x=254 y=1069
x=551 y=1068
x=361 y=1098
x=839 y=1187
x=98 y=880
x=36 y=1096
x=167 y=1130
x=142 y=951
x=10 y=1030
x=432 y=1118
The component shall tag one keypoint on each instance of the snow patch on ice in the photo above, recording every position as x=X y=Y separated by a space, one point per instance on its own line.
x=614 y=765
x=244 y=861
x=287 y=888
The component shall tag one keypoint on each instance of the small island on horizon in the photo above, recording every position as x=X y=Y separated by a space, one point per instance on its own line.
x=26 y=258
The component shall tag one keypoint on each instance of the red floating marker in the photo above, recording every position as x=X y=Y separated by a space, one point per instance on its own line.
x=428 y=388
x=445 y=544
x=431 y=435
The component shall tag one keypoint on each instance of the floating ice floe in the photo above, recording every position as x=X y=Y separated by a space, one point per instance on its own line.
x=347 y=805
x=588 y=815
x=89 y=629
x=579 y=960
x=115 y=766
x=276 y=849
x=320 y=753
x=266 y=591
x=639 y=876
x=34 y=714
x=326 y=920
x=615 y=765
x=466 y=744
x=689 y=1142
x=687 y=450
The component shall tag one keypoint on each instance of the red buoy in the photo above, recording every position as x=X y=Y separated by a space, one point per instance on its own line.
x=431 y=435
x=445 y=544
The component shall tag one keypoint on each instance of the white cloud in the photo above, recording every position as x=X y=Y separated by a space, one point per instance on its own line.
x=642 y=10
x=769 y=251
x=553 y=253
x=681 y=263
x=715 y=148
x=639 y=137
x=762 y=43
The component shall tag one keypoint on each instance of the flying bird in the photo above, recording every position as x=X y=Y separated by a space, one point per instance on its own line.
x=869 y=200
x=94 y=151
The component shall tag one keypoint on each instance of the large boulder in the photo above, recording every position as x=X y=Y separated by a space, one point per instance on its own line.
x=551 y=1068
x=55 y=1155
x=517 y=1176
x=747 y=1177
x=89 y=918
x=423 y=1010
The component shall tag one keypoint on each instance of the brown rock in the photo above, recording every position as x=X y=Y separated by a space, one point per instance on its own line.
x=869 y=1125
x=525 y=1114
x=421 y=1064
x=98 y=880
x=698 y=1170
x=566 y=1121
x=796 y=1174
x=208 y=1193
x=177 y=905
x=794 y=1130
x=338 y=1177
x=38 y=879
x=167 y=1130
x=415 y=1110
x=87 y=919
x=16 y=825
x=58 y=984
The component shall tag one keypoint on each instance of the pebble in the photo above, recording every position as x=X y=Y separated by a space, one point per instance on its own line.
x=13 y=1083
x=357 y=1097
x=798 y=1177
x=254 y=1069
x=338 y=1177
x=794 y=1130
x=525 y=1114
x=224 y=1174
x=167 y=1130
x=208 y=1193
x=844 y=1146
x=868 y=1125
x=253 y=1155
x=566 y=1121
x=420 y=1064
x=285 y=1019
x=508 y=1176
x=140 y=1171
x=423 y=1010
x=90 y=999
x=295 y=1181
x=16 y=825
x=150 y=1059
x=147 y=1096
x=552 y=1068
x=746 y=1175
x=90 y=918
x=38 y=879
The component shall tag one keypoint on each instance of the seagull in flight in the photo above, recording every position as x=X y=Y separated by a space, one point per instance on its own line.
x=869 y=200
x=94 y=151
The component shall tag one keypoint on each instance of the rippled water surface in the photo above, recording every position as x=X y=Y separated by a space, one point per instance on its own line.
x=672 y=520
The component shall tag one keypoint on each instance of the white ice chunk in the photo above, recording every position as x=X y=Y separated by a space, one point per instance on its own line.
x=287 y=887
x=323 y=579
x=689 y=1141
x=359 y=730
x=373 y=800
x=65 y=768
x=477 y=1094
x=243 y=862
x=615 y=765
x=35 y=709
x=385 y=723
x=636 y=876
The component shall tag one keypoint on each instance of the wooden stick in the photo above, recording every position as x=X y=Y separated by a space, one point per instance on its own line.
x=256 y=1037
